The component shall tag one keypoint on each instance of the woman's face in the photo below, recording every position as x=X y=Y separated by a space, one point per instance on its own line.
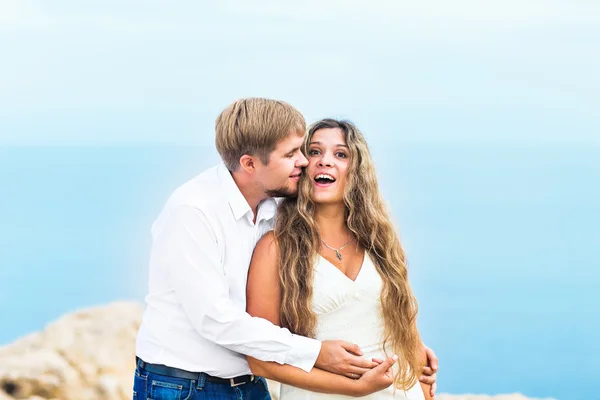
x=328 y=163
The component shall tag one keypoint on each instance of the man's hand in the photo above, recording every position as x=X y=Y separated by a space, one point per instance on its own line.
x=343 y=358
x=430 y=371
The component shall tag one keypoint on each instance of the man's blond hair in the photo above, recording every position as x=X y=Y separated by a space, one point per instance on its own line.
x=254 y=126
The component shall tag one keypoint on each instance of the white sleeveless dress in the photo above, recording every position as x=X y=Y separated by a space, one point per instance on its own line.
x=351 y=311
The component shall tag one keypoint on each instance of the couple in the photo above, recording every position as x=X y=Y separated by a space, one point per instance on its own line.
x=311 y=290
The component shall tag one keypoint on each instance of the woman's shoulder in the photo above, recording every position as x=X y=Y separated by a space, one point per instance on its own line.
x=266 y=243
x=262 y=289
x=265 y=252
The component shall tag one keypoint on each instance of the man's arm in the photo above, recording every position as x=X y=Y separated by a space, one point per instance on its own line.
x=188 y=246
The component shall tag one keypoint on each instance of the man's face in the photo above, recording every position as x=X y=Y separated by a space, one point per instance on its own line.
x=281 y=175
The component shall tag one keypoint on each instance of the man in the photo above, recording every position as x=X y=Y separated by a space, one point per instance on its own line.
x=195 y=332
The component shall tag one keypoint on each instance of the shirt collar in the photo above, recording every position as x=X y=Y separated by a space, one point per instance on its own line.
x=267 y=209
x=237 y=202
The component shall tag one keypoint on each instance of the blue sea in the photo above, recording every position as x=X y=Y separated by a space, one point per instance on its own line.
x=503 y=243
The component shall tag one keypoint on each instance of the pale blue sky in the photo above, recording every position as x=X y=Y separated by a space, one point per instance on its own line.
x=108 y=72
x=483 y=118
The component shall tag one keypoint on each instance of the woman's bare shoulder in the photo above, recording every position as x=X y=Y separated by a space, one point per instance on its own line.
x=263 y=288
x=265 y=256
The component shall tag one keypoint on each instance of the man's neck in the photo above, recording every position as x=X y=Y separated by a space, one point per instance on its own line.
x=250 y=190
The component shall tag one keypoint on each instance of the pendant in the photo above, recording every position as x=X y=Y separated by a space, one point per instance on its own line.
x=338 y=255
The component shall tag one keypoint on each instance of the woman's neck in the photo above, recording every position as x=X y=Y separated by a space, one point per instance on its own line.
x=331 y=222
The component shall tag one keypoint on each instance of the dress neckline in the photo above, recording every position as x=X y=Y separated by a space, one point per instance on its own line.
x=365 y=256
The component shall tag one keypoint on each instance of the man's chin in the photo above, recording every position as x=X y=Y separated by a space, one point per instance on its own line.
x=282 y=192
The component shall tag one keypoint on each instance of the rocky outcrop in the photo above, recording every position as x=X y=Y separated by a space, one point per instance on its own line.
x=84 y=355
x=445 y=396
x=89 y=355
x=514 y=396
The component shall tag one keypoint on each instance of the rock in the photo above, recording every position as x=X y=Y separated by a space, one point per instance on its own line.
x=85 y=355
x=90 y=355
x=274 y=386
x=514 y=396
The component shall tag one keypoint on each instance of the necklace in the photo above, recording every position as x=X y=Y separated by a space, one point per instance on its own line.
x=337 y=251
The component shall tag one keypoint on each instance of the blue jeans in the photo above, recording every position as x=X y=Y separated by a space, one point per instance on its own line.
x=150 y=386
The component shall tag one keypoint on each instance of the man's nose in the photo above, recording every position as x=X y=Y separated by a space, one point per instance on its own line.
x=302 y=161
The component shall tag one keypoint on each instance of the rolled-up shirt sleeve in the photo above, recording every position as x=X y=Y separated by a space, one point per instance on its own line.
x=187 y=244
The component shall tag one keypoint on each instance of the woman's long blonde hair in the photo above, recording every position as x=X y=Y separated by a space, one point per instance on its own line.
x=298 y=242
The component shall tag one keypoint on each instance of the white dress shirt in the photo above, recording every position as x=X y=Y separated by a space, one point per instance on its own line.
x=195 y=316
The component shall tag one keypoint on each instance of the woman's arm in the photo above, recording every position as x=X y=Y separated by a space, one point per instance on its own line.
x=263 y=300
x=321 y=381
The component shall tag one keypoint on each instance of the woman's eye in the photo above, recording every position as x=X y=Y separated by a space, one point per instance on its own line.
x=313 y=152
x=341 y=155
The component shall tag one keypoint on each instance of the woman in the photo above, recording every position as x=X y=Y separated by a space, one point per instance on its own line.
x=334 y=269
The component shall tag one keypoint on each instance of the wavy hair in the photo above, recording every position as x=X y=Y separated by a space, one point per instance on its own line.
x=298 y=240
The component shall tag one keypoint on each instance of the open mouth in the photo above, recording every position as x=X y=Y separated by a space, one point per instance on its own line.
x=324 y=179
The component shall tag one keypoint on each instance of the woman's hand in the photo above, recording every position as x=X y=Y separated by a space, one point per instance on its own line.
x=377 y=378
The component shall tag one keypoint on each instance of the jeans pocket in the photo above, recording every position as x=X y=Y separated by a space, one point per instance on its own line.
x=163 y=390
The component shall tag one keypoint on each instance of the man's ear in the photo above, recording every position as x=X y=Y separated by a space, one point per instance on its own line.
x=248 y=163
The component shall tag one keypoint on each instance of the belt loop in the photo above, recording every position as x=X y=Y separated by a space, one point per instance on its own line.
x=201 y=381
x=138 y=363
